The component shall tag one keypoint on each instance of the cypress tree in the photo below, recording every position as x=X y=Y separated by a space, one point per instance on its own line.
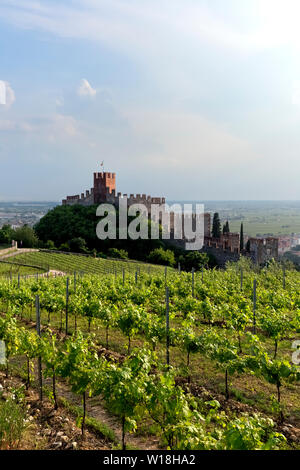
x=226 y=228
x=216 y=228
x=242 y=237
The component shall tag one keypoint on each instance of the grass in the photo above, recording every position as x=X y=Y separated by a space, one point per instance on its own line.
x=12 y=423
x=91 y=423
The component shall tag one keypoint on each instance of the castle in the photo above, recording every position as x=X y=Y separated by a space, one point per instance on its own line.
x=104 y=191
x=225 y=248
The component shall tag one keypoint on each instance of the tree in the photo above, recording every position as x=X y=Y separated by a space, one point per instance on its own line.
x=242 y=237
x=6 y=234
x=216 y=228
x=193 y=259
x=27 y=236
x=161 y=256
x=226 y=228
x=77 y=245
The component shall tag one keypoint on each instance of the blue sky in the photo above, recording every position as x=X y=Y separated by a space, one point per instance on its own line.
x=188 y=99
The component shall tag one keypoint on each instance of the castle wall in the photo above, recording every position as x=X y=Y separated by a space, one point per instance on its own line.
x=227 y=242
x=264 y=249
x=221 y=256
x=104 y=191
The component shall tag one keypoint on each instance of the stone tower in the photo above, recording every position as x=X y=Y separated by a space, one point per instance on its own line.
x=104 y=182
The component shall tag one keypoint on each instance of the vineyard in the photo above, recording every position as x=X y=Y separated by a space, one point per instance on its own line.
x=42 y=261
x=186 y=361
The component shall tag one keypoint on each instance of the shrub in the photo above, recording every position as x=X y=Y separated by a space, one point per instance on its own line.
x=115 y=253
x=77 y=245
x=161 y=256
x=194 y=259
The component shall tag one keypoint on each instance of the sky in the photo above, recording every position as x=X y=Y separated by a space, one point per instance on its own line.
x=187 y=99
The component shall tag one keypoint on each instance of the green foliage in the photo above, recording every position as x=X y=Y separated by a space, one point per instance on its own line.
x=161 y=256
x=124 y=388
x=250 y=433
x=65 y=223
x=226 y=228
x=194 y=259
x=242 y=237
x=216 y=227
x=49 y=245
x=129 y=322
x=77 y=245
x=115 y=253
x=139 y=388
x=169 y=407
x=6 y=234
x=26 y=237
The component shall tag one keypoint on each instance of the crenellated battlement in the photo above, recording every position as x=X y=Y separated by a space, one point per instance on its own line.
x=104 y=190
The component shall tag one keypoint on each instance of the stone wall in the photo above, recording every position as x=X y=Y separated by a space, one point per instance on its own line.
x=221 y=256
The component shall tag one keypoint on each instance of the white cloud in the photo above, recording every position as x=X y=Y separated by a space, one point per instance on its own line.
x=138 y=26
x=85 y=89
x=7 y=94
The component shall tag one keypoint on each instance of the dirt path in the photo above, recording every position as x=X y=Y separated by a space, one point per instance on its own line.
x=19 y=251
x=53 y=273
x=95 y=409
x=49 y=429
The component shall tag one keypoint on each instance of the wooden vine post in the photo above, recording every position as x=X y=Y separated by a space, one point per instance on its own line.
x=67 y=304
x=38 y=330
x=167 y=327
x=254 y=306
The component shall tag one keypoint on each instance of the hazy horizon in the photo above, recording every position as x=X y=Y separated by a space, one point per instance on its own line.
x=168 y=201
